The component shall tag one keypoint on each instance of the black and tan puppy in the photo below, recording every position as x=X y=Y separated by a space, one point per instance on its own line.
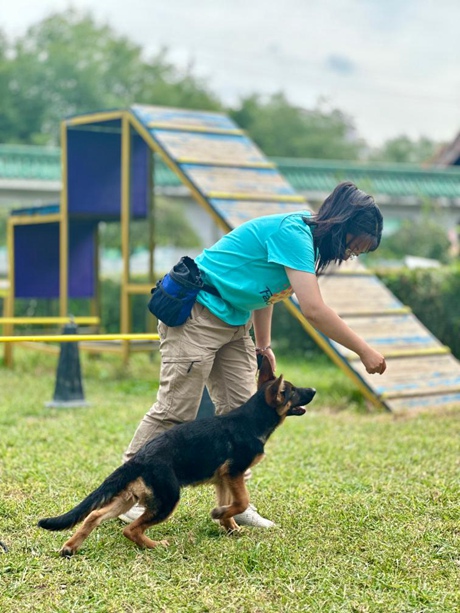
x=216 y=450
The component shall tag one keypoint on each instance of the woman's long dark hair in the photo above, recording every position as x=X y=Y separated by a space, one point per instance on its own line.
x=348 y=210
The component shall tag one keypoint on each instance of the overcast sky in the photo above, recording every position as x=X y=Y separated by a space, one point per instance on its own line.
x=392 y=65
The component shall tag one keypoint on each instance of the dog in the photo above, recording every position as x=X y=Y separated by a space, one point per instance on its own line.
x=217 y=449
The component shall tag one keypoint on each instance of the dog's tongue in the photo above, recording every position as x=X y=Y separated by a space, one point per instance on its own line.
x=297 y=410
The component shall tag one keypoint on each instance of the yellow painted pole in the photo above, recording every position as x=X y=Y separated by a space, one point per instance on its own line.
x=150 y=324
x=93 y=118
x=95 y=303
x=27 y=220
x=125 y=216
x=9 y=304
x=41 y=321
x=248 y=165
x=164 y=125
x=151 y=215
x=64 y=229
x=255 y=197
x=68 y=338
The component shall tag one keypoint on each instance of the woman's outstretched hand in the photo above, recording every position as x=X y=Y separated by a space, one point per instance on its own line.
x=373 y=361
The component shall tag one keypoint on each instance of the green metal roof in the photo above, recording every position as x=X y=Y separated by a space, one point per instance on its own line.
x=28 y=163
x=377 y=178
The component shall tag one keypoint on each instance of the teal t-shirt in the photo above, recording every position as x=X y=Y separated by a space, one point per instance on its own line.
x=247 y=266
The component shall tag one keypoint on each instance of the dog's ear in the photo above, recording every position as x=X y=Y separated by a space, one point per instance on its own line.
x=273 y=393
x=265 y=372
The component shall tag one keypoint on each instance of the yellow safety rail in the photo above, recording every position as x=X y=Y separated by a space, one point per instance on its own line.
x=69 y=338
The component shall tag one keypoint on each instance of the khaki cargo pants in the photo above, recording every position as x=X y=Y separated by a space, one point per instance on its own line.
x=205 y=351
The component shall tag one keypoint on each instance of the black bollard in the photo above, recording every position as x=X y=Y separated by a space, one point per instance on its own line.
x=69 y=389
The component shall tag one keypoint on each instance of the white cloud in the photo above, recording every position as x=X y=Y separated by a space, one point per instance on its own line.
x=402 y=55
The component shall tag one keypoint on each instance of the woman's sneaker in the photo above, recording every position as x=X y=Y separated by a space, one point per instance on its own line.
x=250 y=517
x=134 y=512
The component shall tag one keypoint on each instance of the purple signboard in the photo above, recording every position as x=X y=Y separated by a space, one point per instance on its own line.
x=36 y=271
x=94 y=173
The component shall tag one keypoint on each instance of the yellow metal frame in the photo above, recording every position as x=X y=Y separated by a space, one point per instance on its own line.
x=188 y=128
x=8 y=307
x=64 y=229
x=258 y=165
x=44 y=321
x=128 y=123
x=72 y=338
x=264 y=197
x=127 y=288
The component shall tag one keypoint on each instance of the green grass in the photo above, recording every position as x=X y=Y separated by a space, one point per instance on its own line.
x=367 y=505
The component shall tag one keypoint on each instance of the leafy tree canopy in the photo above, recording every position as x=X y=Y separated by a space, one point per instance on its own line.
x=403 y=149
x=171 y=228
x=418 y=237
x=68 y=64
x=283 y=130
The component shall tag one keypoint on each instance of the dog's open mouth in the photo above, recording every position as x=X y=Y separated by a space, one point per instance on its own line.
x=296 y=411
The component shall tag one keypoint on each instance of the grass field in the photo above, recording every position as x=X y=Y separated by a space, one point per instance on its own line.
x=366 y=506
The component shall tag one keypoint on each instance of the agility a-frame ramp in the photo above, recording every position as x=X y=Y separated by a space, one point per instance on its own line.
x=231 y=178
x=107 y=171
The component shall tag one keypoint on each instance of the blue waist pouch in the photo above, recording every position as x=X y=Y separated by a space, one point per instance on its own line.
x=175 y=294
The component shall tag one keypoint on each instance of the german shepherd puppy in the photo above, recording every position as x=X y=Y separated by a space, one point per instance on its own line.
x=216 y=450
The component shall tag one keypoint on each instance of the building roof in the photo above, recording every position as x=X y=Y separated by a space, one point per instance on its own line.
x=450 y=154
x=34 y=163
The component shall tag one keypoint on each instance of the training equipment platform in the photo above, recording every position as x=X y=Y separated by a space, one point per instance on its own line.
x=107 y=168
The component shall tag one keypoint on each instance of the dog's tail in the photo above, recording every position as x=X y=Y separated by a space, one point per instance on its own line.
x=113 y=485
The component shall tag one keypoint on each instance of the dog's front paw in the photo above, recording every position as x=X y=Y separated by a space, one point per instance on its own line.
x=218 y=512
x=231 y=527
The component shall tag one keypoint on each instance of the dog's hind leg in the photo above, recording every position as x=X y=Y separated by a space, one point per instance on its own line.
x=236 y=487
x=224 y=499
x=159 y=506
x=119 y=504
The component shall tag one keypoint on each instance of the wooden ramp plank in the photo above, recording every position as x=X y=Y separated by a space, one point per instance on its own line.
x=237 y=212
x=391 y=334
x=183 y=119
x=415 y=376
x=421 y=403
x=357 y=294
x=212 y=149
x=216 y=182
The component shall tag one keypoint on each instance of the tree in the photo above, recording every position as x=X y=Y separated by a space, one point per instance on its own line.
x=283 y=130
x=418 y=237
x=68 y=64
x=171 y=228
x=404 y=150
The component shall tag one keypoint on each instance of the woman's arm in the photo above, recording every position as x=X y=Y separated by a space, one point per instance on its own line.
x=324 y=319
x=262 y=321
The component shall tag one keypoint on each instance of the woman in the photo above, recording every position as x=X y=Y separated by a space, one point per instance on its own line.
x=257 y=264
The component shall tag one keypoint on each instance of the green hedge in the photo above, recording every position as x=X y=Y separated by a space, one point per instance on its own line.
x=434 y=297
